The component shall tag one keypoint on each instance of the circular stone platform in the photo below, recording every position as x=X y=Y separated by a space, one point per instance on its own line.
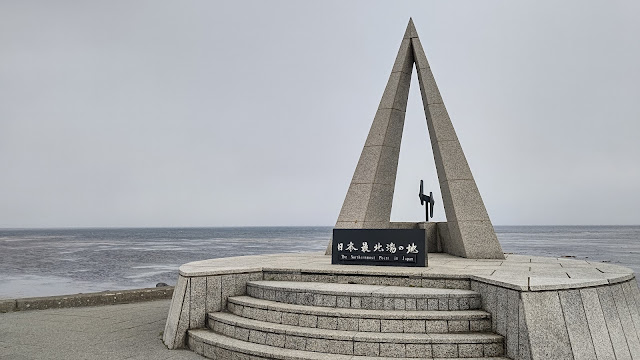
x=530 y=307
x=518 y=272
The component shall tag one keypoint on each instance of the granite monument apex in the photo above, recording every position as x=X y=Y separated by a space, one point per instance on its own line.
x=468 y=231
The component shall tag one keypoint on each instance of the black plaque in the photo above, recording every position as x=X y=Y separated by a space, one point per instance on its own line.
x=384 y=247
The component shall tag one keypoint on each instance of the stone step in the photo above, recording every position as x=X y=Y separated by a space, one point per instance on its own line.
x=360 y=319
x=219 y=347
x=352 y=342
x=357 y=296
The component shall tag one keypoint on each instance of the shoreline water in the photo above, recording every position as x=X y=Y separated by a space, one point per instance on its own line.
x=36 y=262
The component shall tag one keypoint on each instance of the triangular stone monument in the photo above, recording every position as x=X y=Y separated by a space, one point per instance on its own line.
x=370 y=195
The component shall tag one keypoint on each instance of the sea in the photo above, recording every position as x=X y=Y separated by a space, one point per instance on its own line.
x=45 y=262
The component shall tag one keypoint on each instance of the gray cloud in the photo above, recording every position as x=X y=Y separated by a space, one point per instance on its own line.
x=254 y=113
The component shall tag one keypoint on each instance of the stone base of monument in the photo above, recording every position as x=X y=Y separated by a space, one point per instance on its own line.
x=299 y=306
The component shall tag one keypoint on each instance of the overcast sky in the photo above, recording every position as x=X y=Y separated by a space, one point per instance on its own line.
x=211 y=113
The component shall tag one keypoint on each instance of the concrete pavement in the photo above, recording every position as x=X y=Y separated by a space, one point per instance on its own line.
x=128 y=331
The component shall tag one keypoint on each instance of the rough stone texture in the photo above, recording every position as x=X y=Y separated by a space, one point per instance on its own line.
x=614 y=325
x=596 y=323
x=171 y=327
x=512 y=326
x=624 y=314
x=545 y=322
x=90 y=299
x=577 y=327
x=370 y=195
x=183 y=322
x=197 y=316
x=214 y=294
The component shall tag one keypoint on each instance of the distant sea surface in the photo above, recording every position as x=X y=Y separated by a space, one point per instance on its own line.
x=68 y=261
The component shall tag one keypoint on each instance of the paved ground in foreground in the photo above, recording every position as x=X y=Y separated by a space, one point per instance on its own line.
x=129 y=331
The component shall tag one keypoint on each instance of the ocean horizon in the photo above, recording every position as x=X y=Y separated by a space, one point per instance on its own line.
x=60 y=261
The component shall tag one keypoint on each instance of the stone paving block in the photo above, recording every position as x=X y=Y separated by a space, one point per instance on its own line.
x=171 y=327
x=269 y=294
x=492 y=305
x=497 y=349
x=308 y=321
x=243 y=334
x=399 y=304
x=413 y=326
x=183 y=322
x=577 y=327
x=260 y=314
x=421 y=304
x=411 y=304
x=343 y=301
x=445 y=350
x=470 y=350
x=197 y=314
x=434 y=283
x=480 y=325
x=356 y=302
x=277 y=340
x=454 y=304
x=240 y=283
x=512 y=318
x=458 y=325
x=325 y=322
x=209 y=351
x=436 y=326
x=341 y=347
x=317 y=345
x=392 y=350
x=524 y=351
x=369 y=325
x=443 y=304
x=304 y=298
x=291 y=297
x=366 y=348
x=625 y=319
x=348 y=324
x=295 y=342
x=464 y=304
x=612 y=319
x=632 y=305
x=290 y=318
x=546 y=327
x=214 y=294
x=391 y=326
x=418 y=351
x=227 y=285
x=432 y=304
x=474 y=303
x=597 y=325
x=274 y=316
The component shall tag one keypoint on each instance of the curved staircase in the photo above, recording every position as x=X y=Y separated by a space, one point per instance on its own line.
x=303 y=320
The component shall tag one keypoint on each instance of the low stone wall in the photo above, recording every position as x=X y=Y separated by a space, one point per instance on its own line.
x=91 y=299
